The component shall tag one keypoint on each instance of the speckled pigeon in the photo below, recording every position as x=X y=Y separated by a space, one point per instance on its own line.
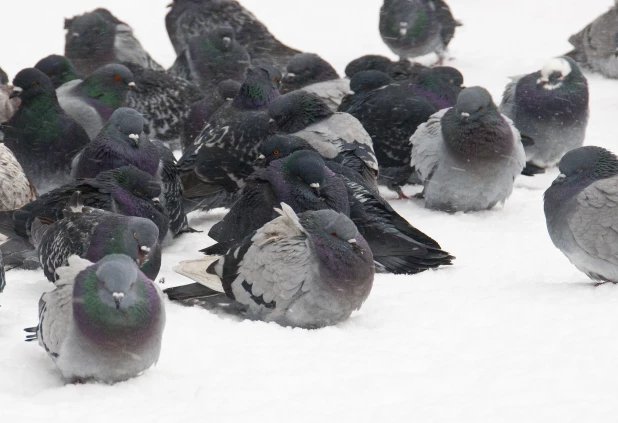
x=58 y=68
x=40 y=134
x=467 y=156
x=189 y=18
x=15 y=188
x=549 y=106
x=337 y=136
x=309 y=270
x=98 y=38
x=103 y=322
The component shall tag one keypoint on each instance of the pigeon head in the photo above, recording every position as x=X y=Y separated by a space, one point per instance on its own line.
x=280 y=146
x=117 y=281
x=306 y=167
x=335 y=227
x=109 y=84
x=144 y=235
x=31 y=83
x=228 y=89
x=295 y=111
x=473 y=103
x=554 y=72
x=369 y=80
x=58 y=68
x=368 y=62
x=89 y=33
x=305 y=69
x=587 y=163
x=127 y=125
x=4 y=78
x=260 y=88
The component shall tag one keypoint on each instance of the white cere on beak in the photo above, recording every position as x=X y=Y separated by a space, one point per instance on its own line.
x=132 y=84
x=556 y=64
x=291 y=74
x=352 y=241
x=118 y=295
x=17 y=89
x=562 y=176
x=134 y=136
x=314 y=185
x=261 y=157
x=144 y=248
x=465 y=114
x=75 y=34
x=156 y=200
x=403 y=28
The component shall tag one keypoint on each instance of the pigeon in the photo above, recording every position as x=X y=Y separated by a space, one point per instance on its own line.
x=15 y=189
x=413 y=28
x=58 y=68
x=201 y=111
x=40 y=134
x=309 y=270
x=581 y=213
x=337 y=136
x=313 y=74
x=8 y=105
x=391 y=114
x=549 y=106
x=216 y=165
x=93 y=234
x=402 y=69
x=467 y=156
x=305 y=182
x=93 y=100
x=103 y=322
x=595 y=45
x=98 y=38
x=190 y=18
x=211 y=58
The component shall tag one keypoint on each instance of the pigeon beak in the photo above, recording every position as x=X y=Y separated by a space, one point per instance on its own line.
x=132 y=86
x=543 y=80
x=156 y=200
x=118 y=296
x=16 y=92
x=464 y=116
x=272 y=126
x=352 y=241
x=75 y=35
x=227 y=41
x=559 y=179
x=135 y=139
x=316 y=188
x=260 y=161
x=142 y=254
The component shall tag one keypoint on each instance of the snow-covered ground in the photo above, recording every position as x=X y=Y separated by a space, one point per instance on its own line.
x=511 y=333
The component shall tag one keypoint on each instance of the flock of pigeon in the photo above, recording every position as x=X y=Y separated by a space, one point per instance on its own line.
x=90 y=187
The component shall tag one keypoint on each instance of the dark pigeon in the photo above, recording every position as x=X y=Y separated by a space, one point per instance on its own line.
x=402 y=69
x=413 y=28
x=216 y=165
x=58 y=68
x=190 y=18
x=98 y=38
x=337 y=136
x=211 y=58
x=549 y=106
x=40 y=134
x=92 y=101
x=467 y=156
x=581 y=212
x=309 y=270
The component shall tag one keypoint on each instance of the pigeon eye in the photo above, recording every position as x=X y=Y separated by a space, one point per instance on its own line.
x=275 y=79
x=34 y=84
x=276 y=152
x=334 y=234
x=139 y=192
x=117 y=78
x=480 y=108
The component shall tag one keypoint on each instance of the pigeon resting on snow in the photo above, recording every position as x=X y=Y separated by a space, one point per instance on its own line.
x=402 y=69
x=103 y=322
x=41 y=135
x=336 y=136
x=59 y=69
x=467 y=156
x=189 y=18
x=309 y=270
x=98 y=38
x=582 y=214
x=15 y=188
x=595 y=45
x=92 y=101
x=551 y=107
x=412 y=28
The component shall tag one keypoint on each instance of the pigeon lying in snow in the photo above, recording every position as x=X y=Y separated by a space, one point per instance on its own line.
x=98 y=38
x=551 y=107
x=467 y=156
x=41 y=135
x=189 y=18
x=92 y=101
x=412 y=28
x=402 y=69
x=103 y=322
x=59 y=69
x=581 y=212
x=309 y=270
x=337 y=136
x=15 y=188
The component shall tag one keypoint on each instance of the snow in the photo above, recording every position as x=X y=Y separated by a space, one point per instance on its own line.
x=512 y=332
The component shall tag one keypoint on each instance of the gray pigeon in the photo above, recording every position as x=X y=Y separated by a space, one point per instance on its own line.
x=582 y=214
x=103 y=322
x=58 y=68
x=98 y=38
x=309 y=72
x=549 y=106
x=309 y=271
x=467 y=156
x=412 y=28
x=595 y=45
x=16 y=190
x=92 y=101
x=400 y=70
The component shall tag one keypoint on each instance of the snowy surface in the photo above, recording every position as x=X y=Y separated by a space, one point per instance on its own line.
x=511 y=333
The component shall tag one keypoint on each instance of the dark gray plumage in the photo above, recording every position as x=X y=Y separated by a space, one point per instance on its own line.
x=400 y=70
x=581 y=212
x=58 y=68
x=467 y=156
x=551 y=107
x=103 y=322
x=309 y=271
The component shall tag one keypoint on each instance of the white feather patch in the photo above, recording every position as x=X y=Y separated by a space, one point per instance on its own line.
x=196 y=270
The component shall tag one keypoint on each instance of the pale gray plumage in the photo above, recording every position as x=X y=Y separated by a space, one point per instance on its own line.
x=15 y=189
x=83 y=113
x=331 y=92
x=8 y=105
x=478 y=176
x=89 y=324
